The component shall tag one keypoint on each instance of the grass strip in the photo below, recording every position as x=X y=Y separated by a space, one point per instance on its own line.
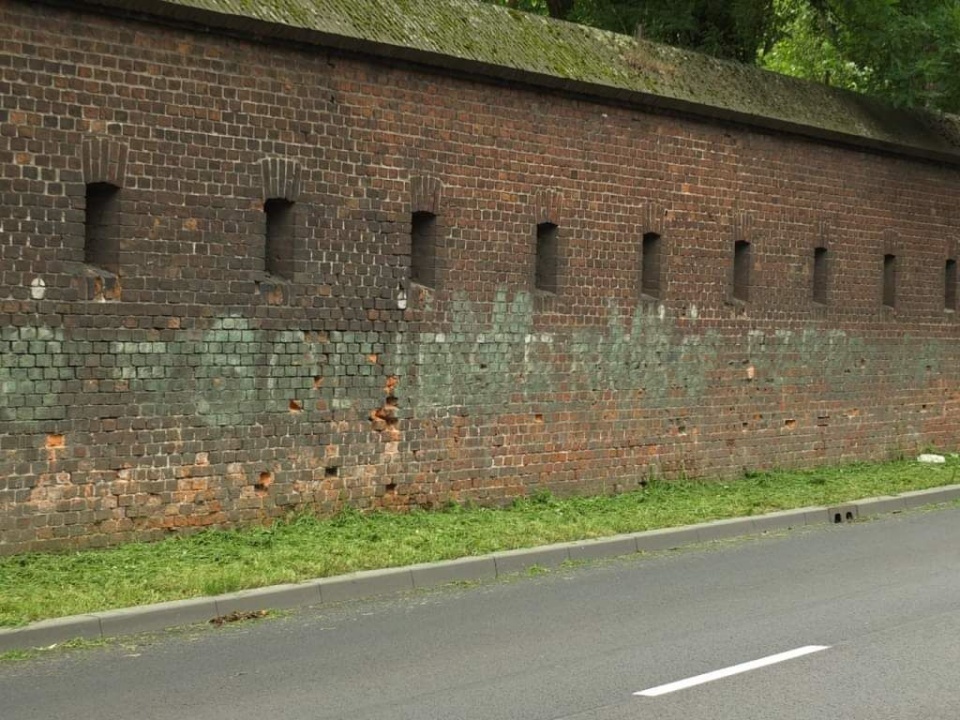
x=36 y=586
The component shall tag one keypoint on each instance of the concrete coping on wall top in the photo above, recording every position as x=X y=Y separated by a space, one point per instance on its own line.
x=488 y=41
x=373 y=583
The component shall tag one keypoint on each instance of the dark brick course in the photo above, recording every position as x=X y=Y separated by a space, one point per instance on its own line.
x=188 y=387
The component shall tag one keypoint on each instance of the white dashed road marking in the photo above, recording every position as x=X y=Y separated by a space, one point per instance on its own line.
x=732 y=670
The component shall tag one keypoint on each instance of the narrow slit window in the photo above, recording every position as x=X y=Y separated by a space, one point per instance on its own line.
x=278 y=255
x=101 y=242
x=820 y=267
x=423 y=249
x=650 y=265
x=741 y=270
x=546 y=270
x=950 y=285
x=890 y=280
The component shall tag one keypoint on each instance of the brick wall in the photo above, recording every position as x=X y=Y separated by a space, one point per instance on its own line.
x=167 y=381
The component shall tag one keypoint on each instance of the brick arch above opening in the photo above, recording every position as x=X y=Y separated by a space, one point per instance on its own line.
x=426 y=194
x=103 y=160
x=951 y=247
x=743 y=227
x=548 y=207
x=281 y=179
x=652 y=218
x=891 y=242
x=825 y=229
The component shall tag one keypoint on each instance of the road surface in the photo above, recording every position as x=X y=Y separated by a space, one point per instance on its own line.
x=870 y=610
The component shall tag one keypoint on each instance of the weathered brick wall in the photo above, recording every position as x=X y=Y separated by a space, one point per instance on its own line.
x=190 y=387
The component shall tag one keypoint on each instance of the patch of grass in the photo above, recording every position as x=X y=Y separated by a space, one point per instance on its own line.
x=18 y=655
x=75 y=644
x=39 y=586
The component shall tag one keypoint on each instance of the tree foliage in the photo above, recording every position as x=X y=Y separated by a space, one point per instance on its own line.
x=906 y=51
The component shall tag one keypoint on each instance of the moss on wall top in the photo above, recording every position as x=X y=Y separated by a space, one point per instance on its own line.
x=491 y=40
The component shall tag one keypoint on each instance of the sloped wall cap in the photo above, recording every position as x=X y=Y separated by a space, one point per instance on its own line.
x=481 y=38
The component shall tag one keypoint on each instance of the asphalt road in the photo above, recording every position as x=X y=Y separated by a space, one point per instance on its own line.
x=883 y=597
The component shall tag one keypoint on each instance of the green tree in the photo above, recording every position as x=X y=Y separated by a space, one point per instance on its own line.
x=805 y=49
x=907 y=51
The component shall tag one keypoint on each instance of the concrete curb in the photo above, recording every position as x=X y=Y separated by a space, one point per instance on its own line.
x=147 y=618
